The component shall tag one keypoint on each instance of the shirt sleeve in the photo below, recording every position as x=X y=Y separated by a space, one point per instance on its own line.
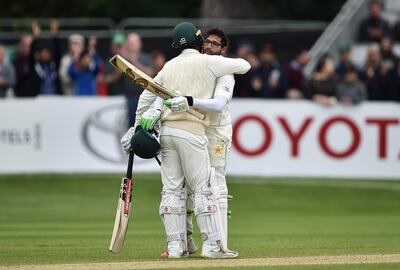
x=158 y=78
x=221 y=66
x=216 y=104
x=146 y=99
x=224 y=86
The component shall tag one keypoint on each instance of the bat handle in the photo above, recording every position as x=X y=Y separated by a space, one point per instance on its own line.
x=130 y=165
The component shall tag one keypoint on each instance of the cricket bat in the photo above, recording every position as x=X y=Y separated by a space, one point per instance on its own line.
x=143 y=80
x=123 y=210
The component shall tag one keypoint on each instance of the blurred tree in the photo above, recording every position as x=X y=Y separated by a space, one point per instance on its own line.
x=231 y=9
x=118 y=10
x=272 y=9
x=301 y=9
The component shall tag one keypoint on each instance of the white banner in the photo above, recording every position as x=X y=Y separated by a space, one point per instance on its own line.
x=300 y=138
x=271 y=138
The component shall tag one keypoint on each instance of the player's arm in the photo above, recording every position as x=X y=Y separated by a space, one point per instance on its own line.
x=150 y=111
x=222 y=94
x=221 y=66
x=146 y=100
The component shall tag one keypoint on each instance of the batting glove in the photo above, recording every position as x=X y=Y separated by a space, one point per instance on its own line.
x=126 y=140
x=179 y=104
x=150 y=118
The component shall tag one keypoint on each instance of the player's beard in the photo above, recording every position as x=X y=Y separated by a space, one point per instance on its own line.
x=210 y=52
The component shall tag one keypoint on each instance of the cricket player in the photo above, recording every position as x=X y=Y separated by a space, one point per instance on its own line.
x=219 y=135
x=184 y=153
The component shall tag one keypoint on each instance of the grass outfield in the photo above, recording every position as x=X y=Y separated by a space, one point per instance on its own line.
x=60 y=219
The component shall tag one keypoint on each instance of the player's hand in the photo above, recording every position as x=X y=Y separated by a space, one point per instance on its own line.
x=150 y=118
x=177 y=104
x=126 y=140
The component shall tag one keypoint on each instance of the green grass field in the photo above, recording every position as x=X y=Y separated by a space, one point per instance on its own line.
x=58 y=219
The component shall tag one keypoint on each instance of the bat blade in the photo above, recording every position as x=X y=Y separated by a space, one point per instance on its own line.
x=123 y=211
x=140 y=78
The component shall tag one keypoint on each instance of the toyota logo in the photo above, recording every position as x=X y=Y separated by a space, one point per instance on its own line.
x=103 y=130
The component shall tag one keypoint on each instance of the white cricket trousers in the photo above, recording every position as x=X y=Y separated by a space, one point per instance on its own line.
x=184 y=156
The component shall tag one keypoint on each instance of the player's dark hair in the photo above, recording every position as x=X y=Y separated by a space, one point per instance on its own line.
x=219 y=33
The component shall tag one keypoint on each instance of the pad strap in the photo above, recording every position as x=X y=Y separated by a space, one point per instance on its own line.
x=178 y=210
x=181 y=194
x=205 y=209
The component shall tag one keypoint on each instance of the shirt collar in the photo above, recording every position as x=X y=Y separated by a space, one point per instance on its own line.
x=189 y=51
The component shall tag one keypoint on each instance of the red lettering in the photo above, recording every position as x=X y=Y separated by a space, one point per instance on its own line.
x=295 y=136
x=266 y=130
x=324 y=142
x=383 y=124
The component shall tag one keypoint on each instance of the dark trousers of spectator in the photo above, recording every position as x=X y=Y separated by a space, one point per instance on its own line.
x=132 y=102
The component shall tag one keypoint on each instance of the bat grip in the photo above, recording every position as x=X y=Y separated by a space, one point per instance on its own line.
x=130 y=165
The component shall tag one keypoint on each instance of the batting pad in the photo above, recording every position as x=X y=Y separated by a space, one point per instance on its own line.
x=173 y=214
x=208 y=213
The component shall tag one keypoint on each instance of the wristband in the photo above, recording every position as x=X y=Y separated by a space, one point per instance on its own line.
x=189 y=100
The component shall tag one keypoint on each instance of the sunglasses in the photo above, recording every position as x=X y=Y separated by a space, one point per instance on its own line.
x=212 y=43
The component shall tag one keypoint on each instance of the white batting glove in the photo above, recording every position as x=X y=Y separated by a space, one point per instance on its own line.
x=126 y=140
x=150 y=118
x=177 y=104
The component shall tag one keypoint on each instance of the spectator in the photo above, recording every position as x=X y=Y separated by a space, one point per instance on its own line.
x=7 y=73
x=44 y=62
x=376 y=76
x=83 y=73
x=75 y=48
x=395 y=82
x=158 y=59
x=351 y=90
x=101 y=87
x=25 y=78
x=244 y=49
x=113 y=78
x=141 y=60
x=323 y=85
x=396 y=31
x=345 y=63
x=246 y=83
x=374 y=27
x=267 y=80
x=389 y=59
x=295 y=75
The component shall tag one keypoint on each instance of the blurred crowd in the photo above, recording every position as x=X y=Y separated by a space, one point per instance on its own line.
x=330 y=82
x=40 y=67
x=378 y=79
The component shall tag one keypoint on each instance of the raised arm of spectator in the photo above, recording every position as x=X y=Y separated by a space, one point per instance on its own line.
x=36 y=30
x=54 y=26
x=95 y=65
x=73 y=70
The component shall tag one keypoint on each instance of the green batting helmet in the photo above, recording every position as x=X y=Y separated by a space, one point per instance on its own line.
x=185 y=34
x=144 y=144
